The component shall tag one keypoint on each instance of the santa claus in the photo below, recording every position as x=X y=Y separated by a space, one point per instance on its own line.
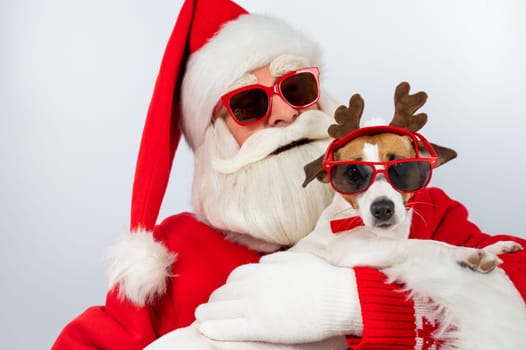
x=244 y=90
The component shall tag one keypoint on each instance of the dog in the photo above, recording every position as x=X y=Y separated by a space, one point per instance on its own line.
x=368 y=224
x=375 y=171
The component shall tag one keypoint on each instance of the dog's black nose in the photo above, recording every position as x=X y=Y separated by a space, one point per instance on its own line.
x=382 y=209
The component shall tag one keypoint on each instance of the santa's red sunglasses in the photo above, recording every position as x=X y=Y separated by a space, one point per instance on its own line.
x=405 y=175
x=252 y=104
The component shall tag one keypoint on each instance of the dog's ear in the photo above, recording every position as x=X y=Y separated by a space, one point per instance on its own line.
x=314 y=170
x=444 y=154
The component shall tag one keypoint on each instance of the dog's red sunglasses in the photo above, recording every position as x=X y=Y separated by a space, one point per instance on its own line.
x=405 y=175
x=252 y=104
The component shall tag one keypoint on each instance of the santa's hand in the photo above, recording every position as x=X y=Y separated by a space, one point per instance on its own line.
x=190 y=338
x=287 y=298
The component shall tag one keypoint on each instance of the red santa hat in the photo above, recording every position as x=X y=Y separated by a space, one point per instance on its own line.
x=214 y=42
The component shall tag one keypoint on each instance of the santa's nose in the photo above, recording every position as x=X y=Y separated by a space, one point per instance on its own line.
x=281 y=113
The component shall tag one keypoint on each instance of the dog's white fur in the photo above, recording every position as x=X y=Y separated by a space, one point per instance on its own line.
x=430 y=270
x=391 y=245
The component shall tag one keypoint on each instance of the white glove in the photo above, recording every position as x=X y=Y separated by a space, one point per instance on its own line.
x=288 y=298
x=190 y=338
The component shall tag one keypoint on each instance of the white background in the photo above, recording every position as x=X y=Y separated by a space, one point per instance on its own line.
x=76 y=78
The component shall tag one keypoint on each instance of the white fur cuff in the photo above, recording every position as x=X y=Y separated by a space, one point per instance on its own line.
x=139 y=266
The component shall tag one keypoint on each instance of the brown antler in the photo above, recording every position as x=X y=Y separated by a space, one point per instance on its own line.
x=406 y=105
x=348 y=118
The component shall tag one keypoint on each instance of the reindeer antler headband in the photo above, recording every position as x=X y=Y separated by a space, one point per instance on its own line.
x=348 y=120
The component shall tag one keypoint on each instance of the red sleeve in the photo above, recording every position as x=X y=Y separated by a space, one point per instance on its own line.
x=387 y=314
x=437 y=216
x=117 y=326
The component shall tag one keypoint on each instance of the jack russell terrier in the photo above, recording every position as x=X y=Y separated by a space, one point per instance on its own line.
x=375 y=172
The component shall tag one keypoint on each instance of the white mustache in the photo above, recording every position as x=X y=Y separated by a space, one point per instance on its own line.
x=311 y=124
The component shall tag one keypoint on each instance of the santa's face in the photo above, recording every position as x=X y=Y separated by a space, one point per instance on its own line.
x=281 y=113
x=248 y=182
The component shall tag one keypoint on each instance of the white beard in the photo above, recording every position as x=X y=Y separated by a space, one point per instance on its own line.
x=255 y=197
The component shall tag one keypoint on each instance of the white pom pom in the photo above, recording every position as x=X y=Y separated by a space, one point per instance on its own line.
x=139 y=267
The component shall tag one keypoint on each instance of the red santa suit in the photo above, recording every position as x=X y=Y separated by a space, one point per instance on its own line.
x=167 y=270
x=205 y=259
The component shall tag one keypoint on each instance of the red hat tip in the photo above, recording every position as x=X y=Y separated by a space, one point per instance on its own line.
x=198 y=21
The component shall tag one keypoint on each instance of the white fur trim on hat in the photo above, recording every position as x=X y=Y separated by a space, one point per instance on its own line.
x=139 y=267
x=242 y=45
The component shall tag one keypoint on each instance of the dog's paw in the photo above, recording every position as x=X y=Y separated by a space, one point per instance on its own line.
x=504 y=247
x=478 y=260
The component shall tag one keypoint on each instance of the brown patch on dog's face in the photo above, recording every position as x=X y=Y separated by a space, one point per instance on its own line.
x=390 y=147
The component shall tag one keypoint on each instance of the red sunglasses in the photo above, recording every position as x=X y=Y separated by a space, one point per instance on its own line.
x=252 y=104
x=405 y=175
